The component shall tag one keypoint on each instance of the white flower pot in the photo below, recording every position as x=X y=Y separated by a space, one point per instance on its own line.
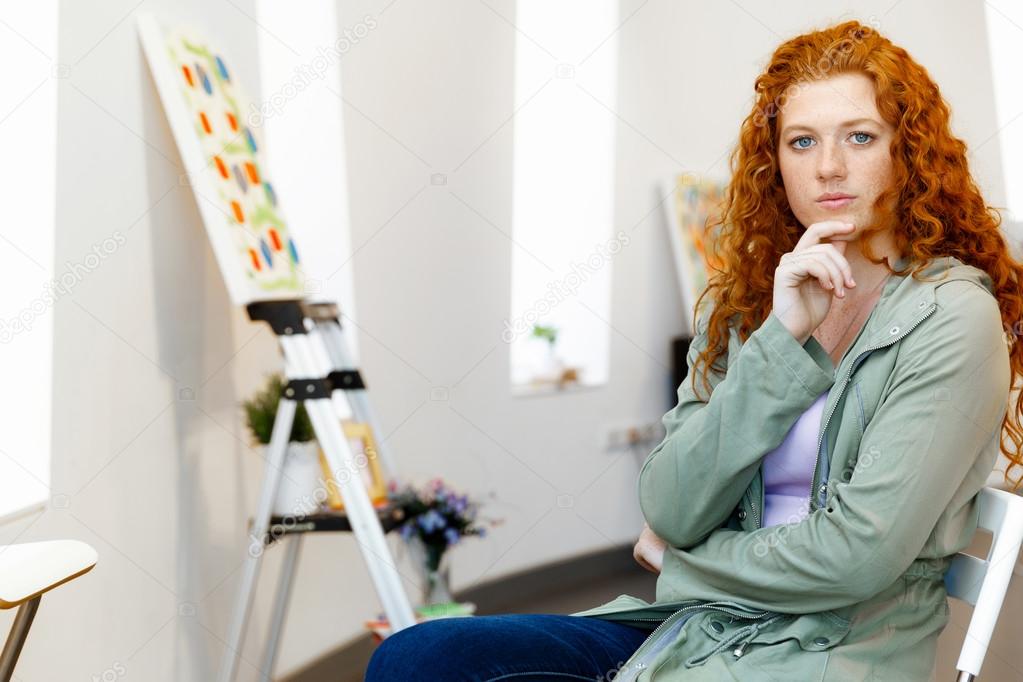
x=300 y=477
x=549 y=366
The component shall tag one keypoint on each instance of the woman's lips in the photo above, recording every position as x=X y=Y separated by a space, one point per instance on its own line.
x=832 y=204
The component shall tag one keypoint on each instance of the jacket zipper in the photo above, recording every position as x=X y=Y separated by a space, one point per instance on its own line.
x=753 y=505
x=756 y=515
x=819 y=497
x=640 y=665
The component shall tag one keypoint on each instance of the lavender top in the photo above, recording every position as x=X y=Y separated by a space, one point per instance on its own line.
x=788 y=469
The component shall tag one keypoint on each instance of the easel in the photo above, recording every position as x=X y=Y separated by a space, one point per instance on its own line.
x=317 y=364
x=259 y=261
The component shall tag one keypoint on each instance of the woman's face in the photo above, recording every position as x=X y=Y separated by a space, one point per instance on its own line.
x=834 y=141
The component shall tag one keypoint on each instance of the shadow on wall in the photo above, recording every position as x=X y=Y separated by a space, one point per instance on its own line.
x=193 y=325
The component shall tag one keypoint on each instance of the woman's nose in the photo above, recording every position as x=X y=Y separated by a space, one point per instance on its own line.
x=830 y=161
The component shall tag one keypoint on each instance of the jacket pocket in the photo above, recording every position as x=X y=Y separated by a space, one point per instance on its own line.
x=634 y=611
x=819 y=631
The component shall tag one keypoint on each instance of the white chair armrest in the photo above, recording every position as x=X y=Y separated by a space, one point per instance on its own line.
x=29 y=569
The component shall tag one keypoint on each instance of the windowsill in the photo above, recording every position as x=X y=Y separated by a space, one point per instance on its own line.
x=535 y=390
x=21 y=512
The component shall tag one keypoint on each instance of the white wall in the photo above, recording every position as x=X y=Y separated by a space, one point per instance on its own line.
x=151 y=463
x=163 y=486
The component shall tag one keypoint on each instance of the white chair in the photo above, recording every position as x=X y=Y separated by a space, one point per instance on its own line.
x=27 y=570
x=983 y=583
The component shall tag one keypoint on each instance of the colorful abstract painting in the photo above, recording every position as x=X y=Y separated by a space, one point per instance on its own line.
x=225 y=164
x=693 y=200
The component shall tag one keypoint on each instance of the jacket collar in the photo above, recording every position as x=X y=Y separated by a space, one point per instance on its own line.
x=905 y=299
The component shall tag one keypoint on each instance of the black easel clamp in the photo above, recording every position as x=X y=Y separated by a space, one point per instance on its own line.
x=346 y=379
x=308 y=389
x=285 y=317
x=322 y=312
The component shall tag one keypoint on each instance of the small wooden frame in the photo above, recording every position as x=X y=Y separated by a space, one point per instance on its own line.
x=364 y=449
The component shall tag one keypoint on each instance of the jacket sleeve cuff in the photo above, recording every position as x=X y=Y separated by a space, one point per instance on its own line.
x=809 y=362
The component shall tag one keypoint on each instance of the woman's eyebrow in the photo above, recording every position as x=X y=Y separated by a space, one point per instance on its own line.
x=844 y=124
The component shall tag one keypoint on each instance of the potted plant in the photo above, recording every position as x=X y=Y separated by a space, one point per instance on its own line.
x=436 y=519
x=301 y=469
x=550 y=365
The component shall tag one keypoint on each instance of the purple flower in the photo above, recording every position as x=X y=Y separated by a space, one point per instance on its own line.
x=431 y=521
x=406 y=531
x=451 y=535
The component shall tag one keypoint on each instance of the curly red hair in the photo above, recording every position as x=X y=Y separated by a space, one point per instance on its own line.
x=939 y=211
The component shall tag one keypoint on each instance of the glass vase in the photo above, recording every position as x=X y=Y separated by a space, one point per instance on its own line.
x=436 y=583
x=437 y=588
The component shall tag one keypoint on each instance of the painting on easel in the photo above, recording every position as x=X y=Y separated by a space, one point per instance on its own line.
x=692 y=201
x=225 y=165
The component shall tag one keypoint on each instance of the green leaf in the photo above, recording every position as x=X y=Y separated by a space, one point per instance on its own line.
x=261 y=410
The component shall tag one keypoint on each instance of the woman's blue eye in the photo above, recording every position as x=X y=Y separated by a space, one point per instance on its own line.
x=861 y=141
x=796 y=141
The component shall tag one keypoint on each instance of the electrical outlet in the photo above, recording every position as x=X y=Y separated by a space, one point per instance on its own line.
x=636 y=434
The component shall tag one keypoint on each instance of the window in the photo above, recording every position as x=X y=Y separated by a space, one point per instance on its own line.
x=300 y=113
x=564 y=144
x=1006 y=47
x=29 y=286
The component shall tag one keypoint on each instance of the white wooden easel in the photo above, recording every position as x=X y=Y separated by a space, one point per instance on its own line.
x=318 y=368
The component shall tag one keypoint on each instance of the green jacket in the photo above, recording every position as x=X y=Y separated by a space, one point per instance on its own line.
x=855 y=591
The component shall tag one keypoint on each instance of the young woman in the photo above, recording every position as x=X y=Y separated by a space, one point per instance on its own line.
x=855 y=362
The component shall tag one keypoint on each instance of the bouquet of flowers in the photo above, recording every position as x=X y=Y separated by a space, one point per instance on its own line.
x=437 y=517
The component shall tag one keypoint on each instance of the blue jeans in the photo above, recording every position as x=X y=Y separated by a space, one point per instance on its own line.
x=516 y=647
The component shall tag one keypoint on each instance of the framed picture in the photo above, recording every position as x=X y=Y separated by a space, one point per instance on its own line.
x=692 y=200
x=367 y=459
